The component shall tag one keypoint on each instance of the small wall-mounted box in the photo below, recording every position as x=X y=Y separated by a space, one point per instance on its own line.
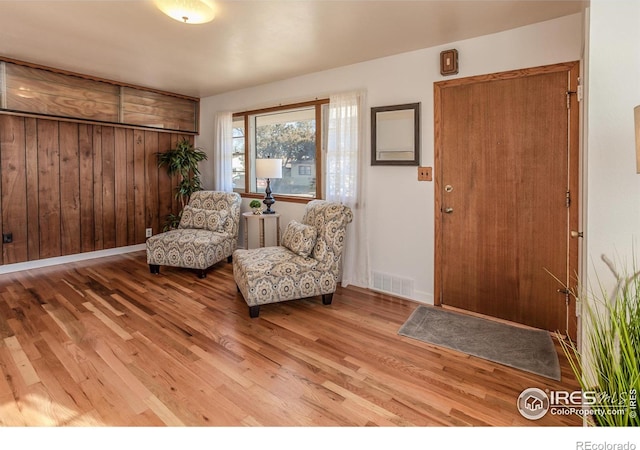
x=449 y=62
x=425 y=174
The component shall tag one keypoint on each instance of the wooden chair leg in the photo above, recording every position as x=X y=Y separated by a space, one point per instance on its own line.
x=254 y=311
x=327 y=298
x=202 y=273
x=230 y=259
x=154 y=269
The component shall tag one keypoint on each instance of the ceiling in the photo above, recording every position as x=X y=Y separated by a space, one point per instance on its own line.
x=249 y=42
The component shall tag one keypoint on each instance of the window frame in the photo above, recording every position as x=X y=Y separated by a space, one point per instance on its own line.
x=244 y=140
x=318 y=104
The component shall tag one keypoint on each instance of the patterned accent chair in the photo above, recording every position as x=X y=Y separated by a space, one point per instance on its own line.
x=307 y=264
x=208 y=233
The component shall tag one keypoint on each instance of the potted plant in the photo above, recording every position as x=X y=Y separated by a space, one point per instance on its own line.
x=609 y=364
x=255 y=205
x=182 y=160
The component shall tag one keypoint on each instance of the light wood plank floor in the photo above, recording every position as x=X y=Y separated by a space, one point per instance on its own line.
x=105 y=343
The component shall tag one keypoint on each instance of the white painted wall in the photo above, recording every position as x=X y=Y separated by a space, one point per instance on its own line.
x=400 y=209
x=612 y=190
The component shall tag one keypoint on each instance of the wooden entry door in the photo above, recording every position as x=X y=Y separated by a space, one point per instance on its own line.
x=506 y=195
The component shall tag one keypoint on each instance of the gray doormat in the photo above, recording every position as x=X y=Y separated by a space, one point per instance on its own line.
x=521 y=348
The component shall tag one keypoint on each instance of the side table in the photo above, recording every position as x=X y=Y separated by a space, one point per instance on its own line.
x=261 y=218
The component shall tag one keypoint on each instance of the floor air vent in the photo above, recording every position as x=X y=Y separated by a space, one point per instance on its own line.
x=391 y=284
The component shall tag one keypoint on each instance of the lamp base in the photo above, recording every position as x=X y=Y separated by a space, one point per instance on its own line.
x=268 y=200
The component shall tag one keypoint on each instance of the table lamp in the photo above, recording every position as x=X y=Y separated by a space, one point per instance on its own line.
x=268 y=168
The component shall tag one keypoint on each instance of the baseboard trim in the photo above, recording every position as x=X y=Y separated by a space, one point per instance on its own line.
x=418 y=296
x=17 y=267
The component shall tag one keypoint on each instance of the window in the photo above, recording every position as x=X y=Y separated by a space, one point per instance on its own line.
x=304 y=170
x=238 y=158
x=291 y=133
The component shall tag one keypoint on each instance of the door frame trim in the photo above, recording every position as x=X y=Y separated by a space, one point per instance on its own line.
x=438 y=87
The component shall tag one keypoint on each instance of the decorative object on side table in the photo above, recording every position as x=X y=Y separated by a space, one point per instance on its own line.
x=255 y=206
x=268 y=168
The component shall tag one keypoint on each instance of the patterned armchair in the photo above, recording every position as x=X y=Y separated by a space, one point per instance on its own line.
x=208 y=233
x=305 y=265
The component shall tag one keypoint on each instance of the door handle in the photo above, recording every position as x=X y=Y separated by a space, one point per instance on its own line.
x=576 y=234
x=448 y=210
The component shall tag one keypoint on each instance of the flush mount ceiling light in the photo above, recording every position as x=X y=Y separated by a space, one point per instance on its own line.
x=188 y=11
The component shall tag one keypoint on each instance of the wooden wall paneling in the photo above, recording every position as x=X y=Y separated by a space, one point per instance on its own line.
x=130 y=182
x=151 y=192
x=157 y=110
x=43 y=92
x=49 y=188
x=31 y=158
x=13 y=190
x=3 y=88
x=139 y=168
x=175 y=202
x=108 y=188
x=120 y=194
x=85 y=148
x=69 y=189
x=35 y=89
x=98 y=237
x=165 y=183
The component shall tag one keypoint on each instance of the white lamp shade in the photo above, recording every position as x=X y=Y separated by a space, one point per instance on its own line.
x=269 y=168
x=188 y=11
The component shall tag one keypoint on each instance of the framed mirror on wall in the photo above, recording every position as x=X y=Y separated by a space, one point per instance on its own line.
x=395 y=135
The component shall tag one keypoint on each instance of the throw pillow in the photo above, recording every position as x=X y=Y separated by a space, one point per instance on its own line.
x=203 y=219
x=299 y=238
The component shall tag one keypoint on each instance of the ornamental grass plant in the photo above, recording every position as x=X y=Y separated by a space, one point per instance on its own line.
x=609 y=363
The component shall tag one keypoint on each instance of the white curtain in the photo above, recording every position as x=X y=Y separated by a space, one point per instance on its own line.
x=345 y=179
x=223 y=152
